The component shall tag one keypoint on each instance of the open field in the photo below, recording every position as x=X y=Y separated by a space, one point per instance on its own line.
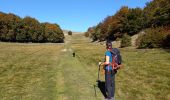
x=49 y=72
x=28 y=71
x=145 y=75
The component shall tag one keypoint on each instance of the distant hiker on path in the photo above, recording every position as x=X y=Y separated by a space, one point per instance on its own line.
x=111 y=65
x=74 y=54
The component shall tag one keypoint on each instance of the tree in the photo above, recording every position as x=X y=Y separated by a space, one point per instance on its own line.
x=8 y=24
x=133 y=21
x=31 y=26
x=157 y=13
x=53 y=33
x=92 y=34
x=28 y=29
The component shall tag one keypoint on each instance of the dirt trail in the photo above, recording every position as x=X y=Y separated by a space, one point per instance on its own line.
x=74 y=80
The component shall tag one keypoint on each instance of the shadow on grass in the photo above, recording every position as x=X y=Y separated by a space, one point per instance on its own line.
x=101 y=86
x=167 y=50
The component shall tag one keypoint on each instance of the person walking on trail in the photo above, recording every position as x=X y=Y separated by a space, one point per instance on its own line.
x=110 y=68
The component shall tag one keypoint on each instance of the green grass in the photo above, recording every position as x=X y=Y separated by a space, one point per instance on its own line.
x=27 y=71
x=49 y=72
x=145 y=75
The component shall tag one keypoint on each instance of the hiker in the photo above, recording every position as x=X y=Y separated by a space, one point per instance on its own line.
x=74 y=54
x=110 y=68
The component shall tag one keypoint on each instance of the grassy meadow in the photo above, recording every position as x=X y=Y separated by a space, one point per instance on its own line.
x=49 y=72
x=27 y=71
x=145 y=75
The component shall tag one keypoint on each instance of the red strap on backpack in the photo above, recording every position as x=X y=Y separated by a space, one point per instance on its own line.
x=114 y=64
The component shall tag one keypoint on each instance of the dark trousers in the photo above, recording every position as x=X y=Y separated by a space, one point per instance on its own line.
x=110 y=83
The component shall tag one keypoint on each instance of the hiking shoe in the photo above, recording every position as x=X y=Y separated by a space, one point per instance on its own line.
x=111 y=98
x=107 y=99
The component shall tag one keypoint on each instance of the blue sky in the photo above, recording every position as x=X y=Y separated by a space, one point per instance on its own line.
x=75 y=15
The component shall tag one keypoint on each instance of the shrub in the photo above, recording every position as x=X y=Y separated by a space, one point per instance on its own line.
x=69 y=32
x=167 y=41
x=126 y=40
x=153 y=38
x=86 y=34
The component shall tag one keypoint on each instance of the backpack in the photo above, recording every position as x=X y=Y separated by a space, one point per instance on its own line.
x=116 y=58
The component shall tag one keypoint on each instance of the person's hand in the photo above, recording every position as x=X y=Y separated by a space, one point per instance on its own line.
x=119 y=66
x=100 y=63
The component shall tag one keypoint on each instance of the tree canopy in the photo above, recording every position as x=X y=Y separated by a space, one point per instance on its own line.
x=28 y=29
x=131 y=21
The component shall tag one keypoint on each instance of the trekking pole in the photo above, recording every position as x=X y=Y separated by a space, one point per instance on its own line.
x=99 y=71
x=95 y=91
x=97 y=80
